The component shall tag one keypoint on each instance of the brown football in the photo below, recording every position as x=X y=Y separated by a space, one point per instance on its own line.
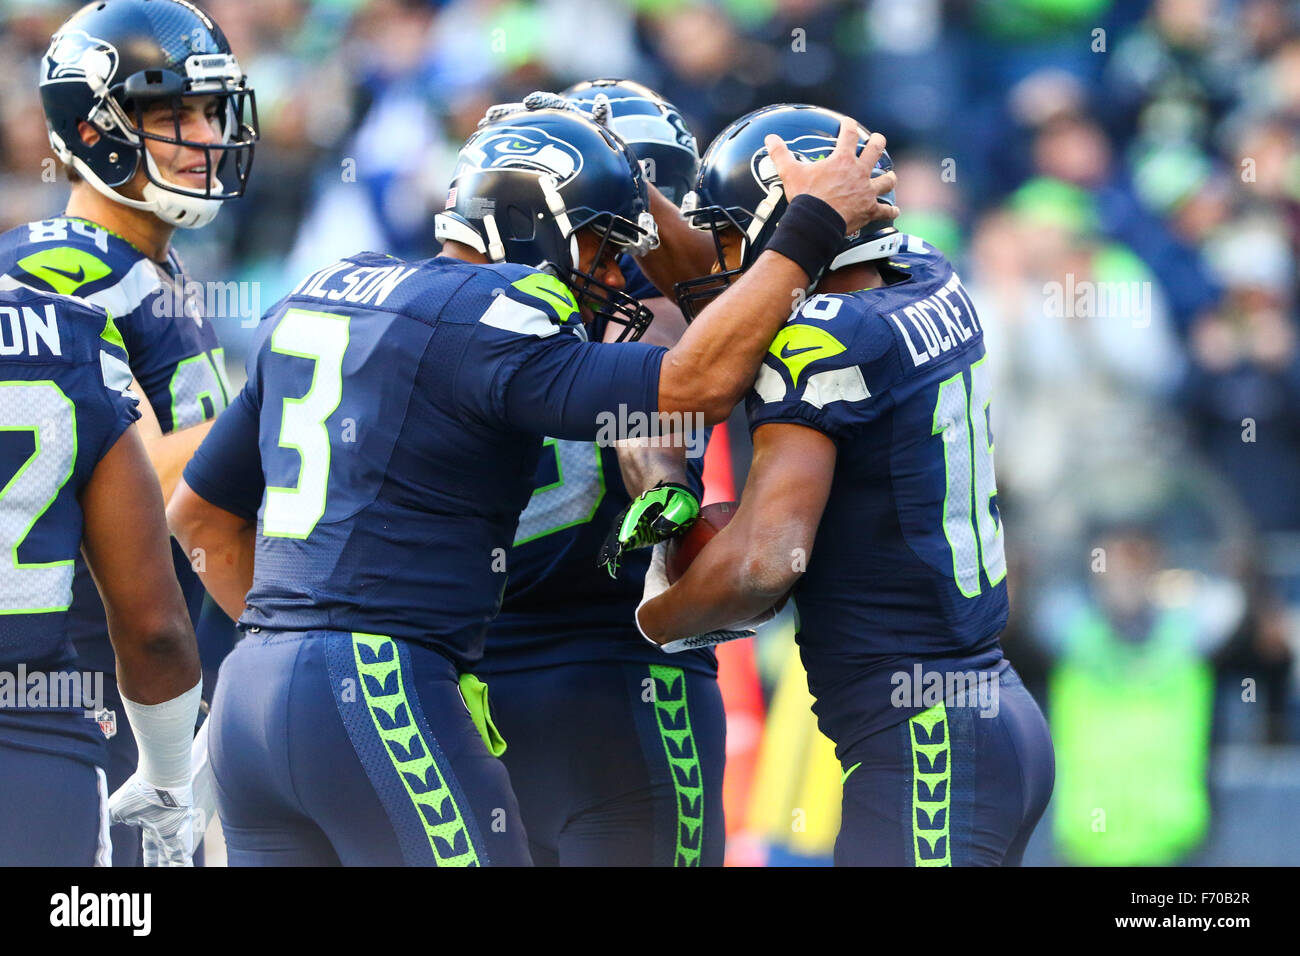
x=682 y=551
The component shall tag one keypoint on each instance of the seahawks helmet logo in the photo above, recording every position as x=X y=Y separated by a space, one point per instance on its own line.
x=77 y=56
x=523 y=147
x=684 y=136
x=809 y=148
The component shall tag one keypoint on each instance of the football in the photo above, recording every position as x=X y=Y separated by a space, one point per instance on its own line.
x=682 y=551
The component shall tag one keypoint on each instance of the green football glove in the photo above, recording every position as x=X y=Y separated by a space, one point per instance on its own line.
x=665 y=511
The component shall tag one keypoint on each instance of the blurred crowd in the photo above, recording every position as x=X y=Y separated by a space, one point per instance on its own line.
x=1118 y=183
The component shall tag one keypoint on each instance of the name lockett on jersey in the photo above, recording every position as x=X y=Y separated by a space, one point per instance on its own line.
x=956 y=322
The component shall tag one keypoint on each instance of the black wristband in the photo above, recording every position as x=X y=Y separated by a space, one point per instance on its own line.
x=811 y=234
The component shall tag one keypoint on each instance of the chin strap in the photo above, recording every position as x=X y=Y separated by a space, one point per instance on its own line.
x=186 y=212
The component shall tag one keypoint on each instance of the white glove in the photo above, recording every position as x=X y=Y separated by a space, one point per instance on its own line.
x=205 y=785
x=656 y=583
x=167 y=817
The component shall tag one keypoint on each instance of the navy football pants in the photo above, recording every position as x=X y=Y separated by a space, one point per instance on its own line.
x=615 y=764
x=123 y=757
x=949 y=787
x=52 y=810
x=332 y=748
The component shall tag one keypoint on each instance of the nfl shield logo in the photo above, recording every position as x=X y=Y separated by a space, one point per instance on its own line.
x=107 y=720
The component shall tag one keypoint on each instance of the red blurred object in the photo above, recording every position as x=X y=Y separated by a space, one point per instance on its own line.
x=742 y=694
x=719 y=476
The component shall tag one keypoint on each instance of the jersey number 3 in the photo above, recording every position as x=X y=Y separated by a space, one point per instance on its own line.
x=974 y=534
x=323 y=338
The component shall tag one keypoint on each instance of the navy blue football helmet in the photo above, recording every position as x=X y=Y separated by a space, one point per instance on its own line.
x=738 y=188
x=651 y=126
x=112 y=60
x=525 y=184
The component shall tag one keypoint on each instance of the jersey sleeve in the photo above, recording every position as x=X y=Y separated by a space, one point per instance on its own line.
x=571 y=389
x=528 y=366
x=109 y=381
x=226 y=469
x=813 y=372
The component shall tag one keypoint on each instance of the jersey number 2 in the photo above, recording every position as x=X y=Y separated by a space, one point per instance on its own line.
x=323 y=338
x=574 y=496
x=42 y=409
x=974 y=535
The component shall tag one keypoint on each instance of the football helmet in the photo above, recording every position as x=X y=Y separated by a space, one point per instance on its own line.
x=652 y=126
x=738 y=188
x=525 y=184
x=113 y=59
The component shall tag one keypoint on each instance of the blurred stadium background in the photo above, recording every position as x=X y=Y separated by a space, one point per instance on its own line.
x=1119 y=184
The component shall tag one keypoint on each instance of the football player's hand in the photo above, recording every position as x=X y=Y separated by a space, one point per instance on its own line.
x=842 y=180
x=167 y=818
x=656 y=583
x=665 y=511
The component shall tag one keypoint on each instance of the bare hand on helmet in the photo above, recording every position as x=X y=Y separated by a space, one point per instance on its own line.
x=842 y=180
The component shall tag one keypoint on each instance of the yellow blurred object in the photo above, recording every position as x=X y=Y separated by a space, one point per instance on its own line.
x=796 y=799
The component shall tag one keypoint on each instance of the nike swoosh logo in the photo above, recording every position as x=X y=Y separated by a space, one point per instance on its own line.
x=787 y=352
x=77 y=276
x=556 y=296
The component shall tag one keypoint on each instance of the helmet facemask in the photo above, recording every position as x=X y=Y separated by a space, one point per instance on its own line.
x=616 y=236
x=229 y=160
x=738 y=188
x=503 y=230
x=117 y=114
x=754 y=229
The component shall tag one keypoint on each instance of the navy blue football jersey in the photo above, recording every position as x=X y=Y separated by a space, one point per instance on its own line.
x=908 y=563
x=174 y=354
x=559 y=607
x=399 y=408
x=63 y=404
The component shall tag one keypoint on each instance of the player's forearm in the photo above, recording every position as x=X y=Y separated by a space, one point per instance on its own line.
x=153 y=640
x=643 y=466
x=683 y=252
x=737 y=576
x=228 y=576
x=169 y=454
x=717 y=358
x=220 y=545
x=125 y=544
x=157 y=659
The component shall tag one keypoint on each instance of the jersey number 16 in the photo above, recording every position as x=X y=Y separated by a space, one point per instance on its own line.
x=974 y=534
